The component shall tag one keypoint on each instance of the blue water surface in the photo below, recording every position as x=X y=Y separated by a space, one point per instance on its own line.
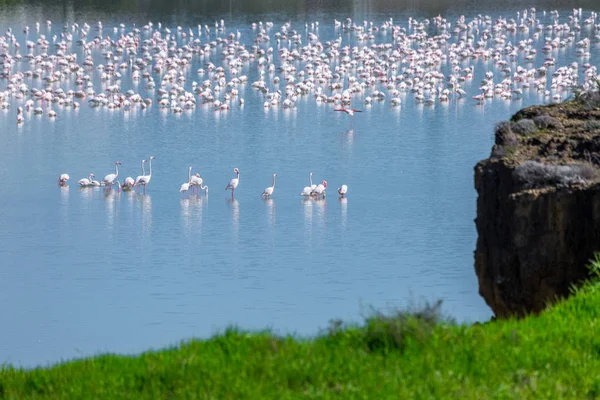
x=85 y=271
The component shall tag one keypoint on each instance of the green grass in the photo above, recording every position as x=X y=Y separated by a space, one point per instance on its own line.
x=406 y=355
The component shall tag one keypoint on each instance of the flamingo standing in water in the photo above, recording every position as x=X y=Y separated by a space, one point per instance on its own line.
x=128 y=183
x=63 y=178
x=269 y=191
x=234 y=182
x=184 y=188
x=20 y=118
x=111 y=179
x=146 y=178
x=342 y=190
x=308 y=189
x=197 y=182
x=86 y=181
x=320 y=190
x=139 y=178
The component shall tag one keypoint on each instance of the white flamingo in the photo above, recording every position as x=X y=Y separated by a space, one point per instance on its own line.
x=146 y=178
x=234 y=182
x=197 y=182
x=269 y=191
x=51 y=112
x=343 y=190
x=128 y=183
x=63 y=178
x=95 y=182
x=184 y=188
x=349 y=111
x=111 y=179
x=312 y=185
x=320 y=190
x=308 y=189
x=20 y=118
x=86 y=181
x=139 y=178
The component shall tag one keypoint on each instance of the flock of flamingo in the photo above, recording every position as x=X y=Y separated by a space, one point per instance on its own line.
x=433 y=59
x=194 y=182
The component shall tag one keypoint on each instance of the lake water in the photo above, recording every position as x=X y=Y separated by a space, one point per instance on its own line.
x=85 y=271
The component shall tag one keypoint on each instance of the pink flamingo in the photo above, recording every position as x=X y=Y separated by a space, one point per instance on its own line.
x=111 y=179
x=234 y=182
x=349 y=111
x=63 y=178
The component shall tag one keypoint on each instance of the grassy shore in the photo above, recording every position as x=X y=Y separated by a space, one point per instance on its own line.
x=408 y=355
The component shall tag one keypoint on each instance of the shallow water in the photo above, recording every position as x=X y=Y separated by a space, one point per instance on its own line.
x=85 y=271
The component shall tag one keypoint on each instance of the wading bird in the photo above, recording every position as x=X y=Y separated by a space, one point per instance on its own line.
x=86 y=181
x=308 y=189
x=184 y=188
x=63 y=178
x=269 y=191
x=111 y=179
x=234 y=182
x=145 y=180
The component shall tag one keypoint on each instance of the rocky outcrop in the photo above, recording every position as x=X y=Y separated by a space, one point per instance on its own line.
x=538 y=206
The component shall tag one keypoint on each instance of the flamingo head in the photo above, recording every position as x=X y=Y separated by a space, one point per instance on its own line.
x=143 y=161
x=237 y=171
x=190 y=168
x=118 y=163
x=274 y=174
x=152 y=157
x=325 y=184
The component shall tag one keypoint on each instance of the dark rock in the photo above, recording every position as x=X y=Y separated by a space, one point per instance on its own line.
x=538 y=209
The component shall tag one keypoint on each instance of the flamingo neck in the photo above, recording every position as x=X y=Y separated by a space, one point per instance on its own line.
x=190 y=176
x=143 y=169
x=150 y=174
x=310 y=179
x=273 y=181
x=116 y=170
